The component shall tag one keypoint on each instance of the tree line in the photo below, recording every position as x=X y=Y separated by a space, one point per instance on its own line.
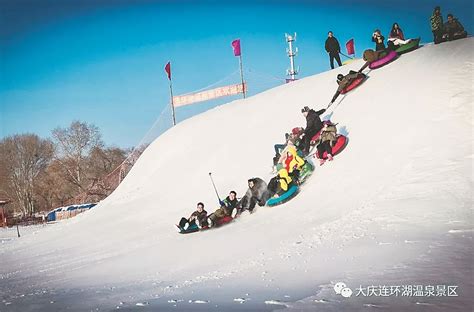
x=40 y=174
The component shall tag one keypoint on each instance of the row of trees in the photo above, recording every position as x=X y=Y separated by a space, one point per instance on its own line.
x=39 y=174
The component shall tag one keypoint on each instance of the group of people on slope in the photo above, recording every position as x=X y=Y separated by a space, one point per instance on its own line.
x=258 y=193
x=298 y=142
x=291 y=165
x=451 y=30
x=396 y=38
x=200 y=218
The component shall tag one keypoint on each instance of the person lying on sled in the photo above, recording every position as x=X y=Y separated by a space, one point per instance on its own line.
x=345 y=81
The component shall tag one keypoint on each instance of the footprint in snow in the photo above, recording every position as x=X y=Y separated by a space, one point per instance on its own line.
x=275 y=302
x=461 y=231
x=321 y=301
x=198 y=301
x=175 y=300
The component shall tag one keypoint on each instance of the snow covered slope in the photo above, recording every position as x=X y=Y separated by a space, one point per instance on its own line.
x=394 y=206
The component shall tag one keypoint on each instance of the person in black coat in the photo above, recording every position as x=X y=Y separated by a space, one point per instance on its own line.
x=379 y=40
x=333 y=48
x=313 y=126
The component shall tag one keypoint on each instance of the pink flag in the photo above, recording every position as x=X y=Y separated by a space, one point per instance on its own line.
x=236 y=47
x=168 y=70
x=350 y=47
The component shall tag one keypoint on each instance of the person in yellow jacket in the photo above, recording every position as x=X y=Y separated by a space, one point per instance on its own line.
x=280 y=183
x=293 y=161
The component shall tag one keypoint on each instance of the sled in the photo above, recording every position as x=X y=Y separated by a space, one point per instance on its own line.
x=390 y=57
x=354 y=83
x=340 y=145
x=410 y=46
x=275 y=201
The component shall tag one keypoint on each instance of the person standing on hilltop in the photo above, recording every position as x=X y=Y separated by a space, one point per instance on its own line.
x=436 y=22
x=333 y=49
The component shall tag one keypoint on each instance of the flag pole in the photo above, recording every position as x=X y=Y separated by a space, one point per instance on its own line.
x=173 y=114
x=242 y=75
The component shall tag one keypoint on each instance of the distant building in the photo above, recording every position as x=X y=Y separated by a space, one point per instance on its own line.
x=68 y=211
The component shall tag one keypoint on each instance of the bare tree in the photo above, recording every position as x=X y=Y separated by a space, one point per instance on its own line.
x=74 y=146
x=23 y=158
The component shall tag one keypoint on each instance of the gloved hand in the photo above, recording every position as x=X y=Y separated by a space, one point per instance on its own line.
x=222 y=203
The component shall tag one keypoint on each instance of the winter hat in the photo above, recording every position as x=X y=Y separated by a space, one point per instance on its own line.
x=305 y=109
x=201 y=204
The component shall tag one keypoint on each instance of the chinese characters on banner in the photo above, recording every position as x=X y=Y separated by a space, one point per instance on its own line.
x=181 y=100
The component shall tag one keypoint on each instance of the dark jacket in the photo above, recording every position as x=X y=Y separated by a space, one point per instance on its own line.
x=229 y=205
x=379 y=42
x=453 y=27
x=370 y=56
x=313 y=122
x=200 y=216
x=332 y=45
x=345 y=82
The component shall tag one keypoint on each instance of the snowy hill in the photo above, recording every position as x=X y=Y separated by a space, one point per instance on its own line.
x=394 y=207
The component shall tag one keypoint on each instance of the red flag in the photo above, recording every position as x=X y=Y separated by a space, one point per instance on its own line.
x=350 y=47
x=168 y=70
x=236 y=47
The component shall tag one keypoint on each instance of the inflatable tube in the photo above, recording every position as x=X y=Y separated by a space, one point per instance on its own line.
x=354 y=84
x=191 y=229
x=223 y=220
x=391 y=56
x=220 y=222
x=340 y=145
x=410 y=46
x=275 y=201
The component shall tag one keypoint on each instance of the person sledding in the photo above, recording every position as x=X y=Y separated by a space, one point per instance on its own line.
x=279 y=184
x=226 y=209
x=257 y=193
x=396 y=37
x=379 y=39
x=345 y=81
x=453 y=29
x=326 y=141
x=292 y=139
x=313 y=126
x=197 y=220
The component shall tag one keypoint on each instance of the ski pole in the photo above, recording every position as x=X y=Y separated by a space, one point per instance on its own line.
x=346 y=56
x=215 y=189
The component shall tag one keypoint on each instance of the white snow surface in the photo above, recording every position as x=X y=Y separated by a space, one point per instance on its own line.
x=395 y=206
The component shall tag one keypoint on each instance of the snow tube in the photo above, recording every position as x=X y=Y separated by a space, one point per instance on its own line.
x=223 y=220
x=275 y=201
x=354 y=84
x=410 y=46
x=391 y=56
x=191 y=229
x=220 y=222
x=338 y=147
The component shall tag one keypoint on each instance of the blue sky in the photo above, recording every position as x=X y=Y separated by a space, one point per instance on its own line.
x=102 y=61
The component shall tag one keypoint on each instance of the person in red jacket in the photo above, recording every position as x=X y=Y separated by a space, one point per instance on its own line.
x=396 y=36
